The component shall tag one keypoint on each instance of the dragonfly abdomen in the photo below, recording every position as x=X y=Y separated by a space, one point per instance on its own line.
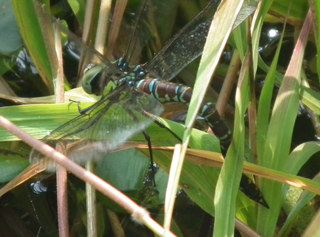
x=165 y=91
x=213 y=119
x=170 y=92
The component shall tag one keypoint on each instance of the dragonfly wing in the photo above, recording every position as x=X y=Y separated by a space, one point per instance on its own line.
x=151 y=17
x=114 y=119
x=118 y=116
x=188 y=43
x=184 y=47
x=75 y=49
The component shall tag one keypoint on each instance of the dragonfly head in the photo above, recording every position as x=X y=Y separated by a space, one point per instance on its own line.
x=95 y=79
x=123 y=65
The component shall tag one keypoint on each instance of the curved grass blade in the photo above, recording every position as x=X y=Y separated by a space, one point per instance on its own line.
x=281 y=123
x=33 y=38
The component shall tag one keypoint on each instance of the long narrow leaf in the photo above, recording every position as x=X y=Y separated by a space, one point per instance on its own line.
x=278 y=140
x=33 y=38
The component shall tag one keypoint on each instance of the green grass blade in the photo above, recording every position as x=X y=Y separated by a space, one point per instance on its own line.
x=33 y=38
x=224 y=221
x=266 y=100
x=278 y=140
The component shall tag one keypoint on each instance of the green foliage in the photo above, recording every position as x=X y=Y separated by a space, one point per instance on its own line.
x=215 y=190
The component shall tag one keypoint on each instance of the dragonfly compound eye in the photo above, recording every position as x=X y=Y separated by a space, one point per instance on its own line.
x=91 y=79
x=123 y=65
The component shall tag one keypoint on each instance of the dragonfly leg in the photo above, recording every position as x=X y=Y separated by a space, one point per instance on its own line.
x=147 y=137
x=161 y=125
x=81 y=111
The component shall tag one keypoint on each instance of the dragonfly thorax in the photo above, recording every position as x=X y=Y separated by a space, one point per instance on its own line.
x=134 y=75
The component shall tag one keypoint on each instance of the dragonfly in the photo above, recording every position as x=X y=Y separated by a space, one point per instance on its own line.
x=137 y=93
x=152 y=78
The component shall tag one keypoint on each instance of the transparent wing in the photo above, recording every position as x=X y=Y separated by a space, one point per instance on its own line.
x=75 y=49
x=184 y=47
x=116 y=116
x=151 y=18
x=114 y=119
x=188 y=44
